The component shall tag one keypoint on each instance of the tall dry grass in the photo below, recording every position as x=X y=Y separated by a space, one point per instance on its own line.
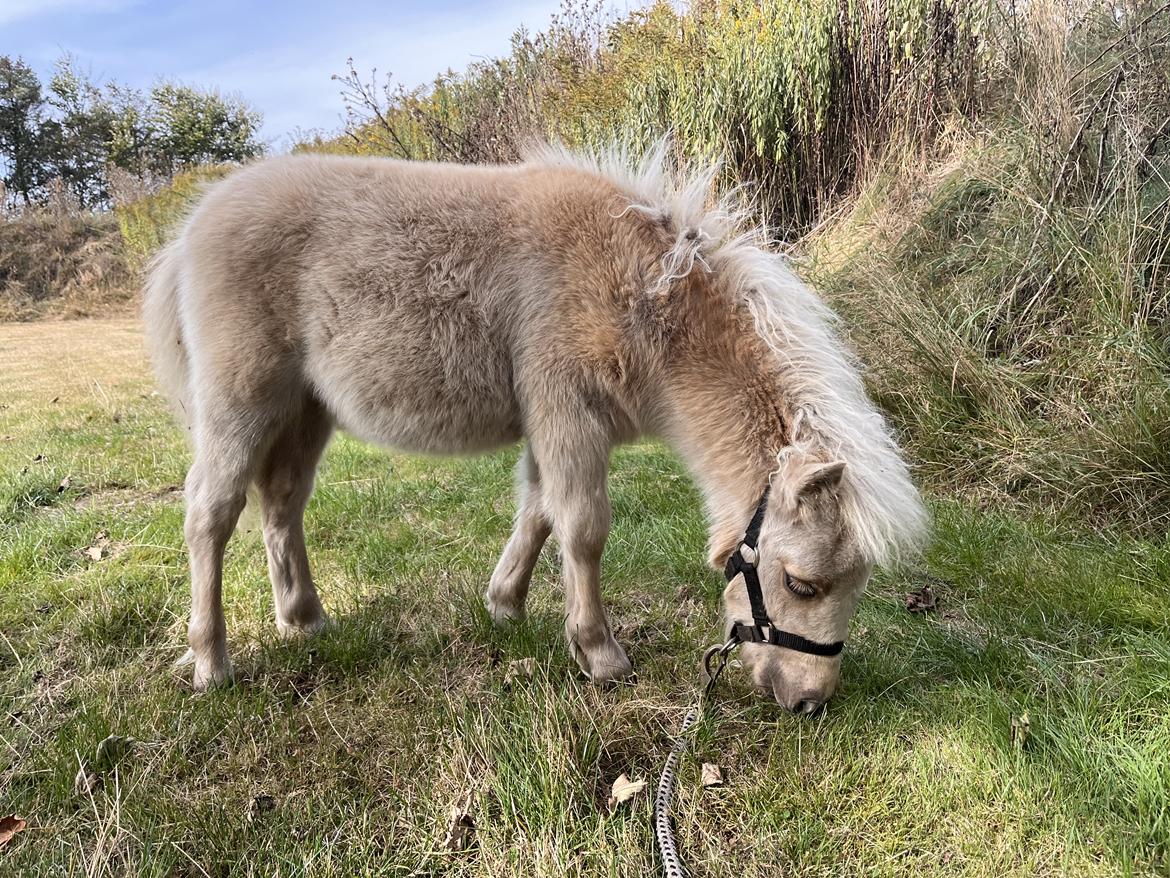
x=60 y=262
x=1009 y=287
x=796 y=97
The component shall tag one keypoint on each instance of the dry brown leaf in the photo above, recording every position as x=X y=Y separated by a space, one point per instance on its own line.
x=64 y=486
x=9 y=826
x=86 y=781
x=460 y=830
x=922 y=600
x=623 y=790
x=520 y=669
x=712 y=775
x=101 y=545
x=260 y=805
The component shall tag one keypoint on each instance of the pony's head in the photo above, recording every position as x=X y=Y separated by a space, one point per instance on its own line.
x=811 y=573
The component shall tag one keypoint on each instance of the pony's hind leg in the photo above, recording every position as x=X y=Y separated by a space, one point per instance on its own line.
x=509 y=584
x=285 y=481
x=216 y=488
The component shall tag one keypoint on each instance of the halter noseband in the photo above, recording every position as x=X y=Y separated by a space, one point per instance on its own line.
x=763 y=630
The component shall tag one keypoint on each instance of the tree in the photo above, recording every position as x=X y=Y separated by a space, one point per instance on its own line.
x=193 y=127
x=81 y=133
x=22 y=139
x=79 y=130
x=130 y=134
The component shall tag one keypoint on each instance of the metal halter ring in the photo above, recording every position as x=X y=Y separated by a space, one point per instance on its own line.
x=721 y=652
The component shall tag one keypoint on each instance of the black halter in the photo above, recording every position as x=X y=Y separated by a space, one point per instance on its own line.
x=763 y=630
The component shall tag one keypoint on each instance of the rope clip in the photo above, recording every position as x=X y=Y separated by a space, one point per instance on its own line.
x=718 y=653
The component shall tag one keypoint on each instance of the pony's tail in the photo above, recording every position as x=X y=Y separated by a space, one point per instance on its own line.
x=168 y=350
x=164 y=330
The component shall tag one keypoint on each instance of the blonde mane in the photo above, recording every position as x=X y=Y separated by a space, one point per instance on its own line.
x=830 y=412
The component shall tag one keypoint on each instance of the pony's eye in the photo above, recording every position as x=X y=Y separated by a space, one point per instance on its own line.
x=799 y=587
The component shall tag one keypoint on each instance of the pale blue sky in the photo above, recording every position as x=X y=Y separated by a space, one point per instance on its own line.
x=278 y=56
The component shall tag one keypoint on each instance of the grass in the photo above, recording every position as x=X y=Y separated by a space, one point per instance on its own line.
x=365 y=738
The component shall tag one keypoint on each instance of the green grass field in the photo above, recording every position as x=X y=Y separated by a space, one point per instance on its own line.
x=345 y=755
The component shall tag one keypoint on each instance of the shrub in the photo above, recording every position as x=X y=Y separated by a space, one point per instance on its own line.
x=63 y=265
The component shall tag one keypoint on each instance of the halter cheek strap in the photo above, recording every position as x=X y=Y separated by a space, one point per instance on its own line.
x=762 y=630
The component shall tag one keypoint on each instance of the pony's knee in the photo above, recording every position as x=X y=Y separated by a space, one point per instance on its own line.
x=212 y=510
x=210 y=524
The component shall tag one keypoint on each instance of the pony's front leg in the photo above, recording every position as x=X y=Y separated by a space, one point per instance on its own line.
x=509 y=584
x=573 y=481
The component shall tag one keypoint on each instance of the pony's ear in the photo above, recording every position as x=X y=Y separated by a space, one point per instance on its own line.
x=820 y=477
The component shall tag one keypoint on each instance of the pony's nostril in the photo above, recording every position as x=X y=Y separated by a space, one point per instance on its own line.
x=808 y=705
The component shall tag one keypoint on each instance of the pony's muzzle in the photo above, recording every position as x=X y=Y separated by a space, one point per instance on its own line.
x=801 y=684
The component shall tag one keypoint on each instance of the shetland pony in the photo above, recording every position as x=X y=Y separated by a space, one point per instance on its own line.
x=574 y=301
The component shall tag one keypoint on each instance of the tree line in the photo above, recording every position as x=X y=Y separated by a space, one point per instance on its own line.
x=83 y=134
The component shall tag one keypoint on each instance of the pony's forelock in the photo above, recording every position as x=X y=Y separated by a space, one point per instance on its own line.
x=831 y=414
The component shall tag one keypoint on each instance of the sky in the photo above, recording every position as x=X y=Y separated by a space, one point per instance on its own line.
x=278 y=56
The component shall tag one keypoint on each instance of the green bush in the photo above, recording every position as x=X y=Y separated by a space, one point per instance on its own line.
x=795 y=96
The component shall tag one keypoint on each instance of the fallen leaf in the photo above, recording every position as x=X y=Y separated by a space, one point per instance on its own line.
x=712 y=775
x=460 y=830
x=9 y=826
x=623 y=790
x=1021 y=728
x=86 y=781
x=520 y=669
x=921 y=600
x=54 y=400
x=260 y=805
x=101 y=543
x=61 y=488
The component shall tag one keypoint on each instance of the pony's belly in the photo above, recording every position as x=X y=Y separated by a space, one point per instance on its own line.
x=444 y=430
x=419 y=407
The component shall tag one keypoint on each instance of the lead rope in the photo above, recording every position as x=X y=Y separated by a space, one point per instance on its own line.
x=672 y=866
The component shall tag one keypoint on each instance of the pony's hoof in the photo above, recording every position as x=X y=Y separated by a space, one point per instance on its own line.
x=502 y=613
x=612 y=672
x=606 y=665
x=211 y=675
x=300 y=631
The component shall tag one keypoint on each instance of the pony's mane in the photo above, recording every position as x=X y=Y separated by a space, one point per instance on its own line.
x=830 y=412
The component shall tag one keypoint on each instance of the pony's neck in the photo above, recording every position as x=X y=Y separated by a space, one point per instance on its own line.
x=727 y=419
